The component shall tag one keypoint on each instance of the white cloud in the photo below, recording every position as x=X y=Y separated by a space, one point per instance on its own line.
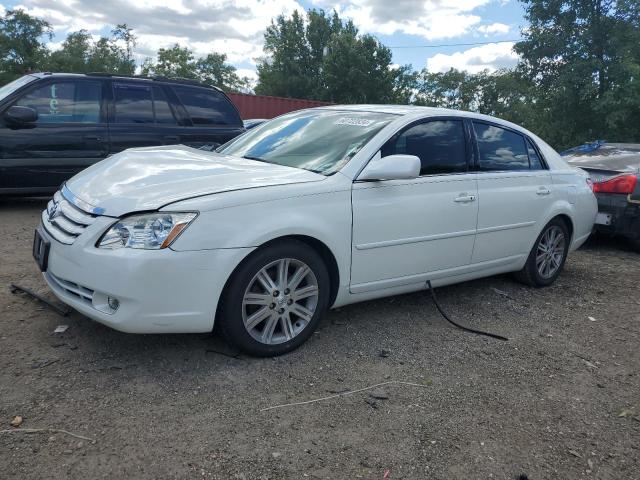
x=493 y=28
x=430 y=19
x=235 y=27
x=487 y=57
x=2 y=10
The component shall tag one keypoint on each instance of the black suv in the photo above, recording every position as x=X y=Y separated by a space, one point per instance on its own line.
x=54 y=125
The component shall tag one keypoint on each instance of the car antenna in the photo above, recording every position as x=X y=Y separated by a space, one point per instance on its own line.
x=461 y=327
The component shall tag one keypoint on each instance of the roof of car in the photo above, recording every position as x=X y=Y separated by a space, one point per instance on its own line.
x=419 y=111
x=142 y=78
x=394 y=109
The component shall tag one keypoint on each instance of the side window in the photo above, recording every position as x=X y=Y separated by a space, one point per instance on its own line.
x=162 y=108
x=207 y=107
x=132 y=103
x=440 y=145
x=535 y=162
x=500 y=149
x=65 y=102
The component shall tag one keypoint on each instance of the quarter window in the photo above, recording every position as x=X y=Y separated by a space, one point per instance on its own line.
x=439 y=144
x=65 y=102
x=207 y=107
x=535 y=162
x=500 y=149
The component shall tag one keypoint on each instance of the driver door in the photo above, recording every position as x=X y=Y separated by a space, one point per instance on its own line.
x=70 y=134
x=404 y=229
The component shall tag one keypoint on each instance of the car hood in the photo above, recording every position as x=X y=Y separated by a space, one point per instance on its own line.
x=143 y=179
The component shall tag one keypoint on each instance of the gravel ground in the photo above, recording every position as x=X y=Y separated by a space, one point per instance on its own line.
x=560 y=399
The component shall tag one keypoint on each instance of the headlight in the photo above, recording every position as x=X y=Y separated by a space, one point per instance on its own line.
x=151 y=231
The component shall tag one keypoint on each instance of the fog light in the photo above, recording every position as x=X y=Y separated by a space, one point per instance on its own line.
x=113 y=303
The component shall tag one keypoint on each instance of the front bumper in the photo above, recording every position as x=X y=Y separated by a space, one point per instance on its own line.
x=159 y=291
x=623 y=215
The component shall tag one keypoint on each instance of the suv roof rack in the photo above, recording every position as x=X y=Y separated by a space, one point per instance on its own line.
x=157 y=78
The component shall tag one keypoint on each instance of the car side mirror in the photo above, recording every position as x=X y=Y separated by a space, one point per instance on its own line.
x=393 y=167
x=21 y=116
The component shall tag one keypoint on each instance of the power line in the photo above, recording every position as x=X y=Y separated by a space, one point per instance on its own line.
x=456 y=44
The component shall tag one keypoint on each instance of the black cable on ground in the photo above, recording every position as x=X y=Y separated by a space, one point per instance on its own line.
x=461 y=327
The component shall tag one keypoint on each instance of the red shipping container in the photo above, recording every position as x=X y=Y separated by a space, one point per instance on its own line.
x=263 y=106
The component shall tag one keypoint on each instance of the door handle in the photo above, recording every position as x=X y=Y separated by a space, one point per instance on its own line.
x=465 y=198
x=543 y=191
x=171 y=138
x=95 y=138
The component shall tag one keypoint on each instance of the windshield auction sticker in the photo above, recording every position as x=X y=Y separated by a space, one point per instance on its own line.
x=357 y=122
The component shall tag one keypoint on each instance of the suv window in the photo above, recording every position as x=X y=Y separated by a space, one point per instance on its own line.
x=133 y=103
x=65 y=101
x=139 y=103
x=207 y=107
x=161 y=107
x=535 y=162
x=440 y=145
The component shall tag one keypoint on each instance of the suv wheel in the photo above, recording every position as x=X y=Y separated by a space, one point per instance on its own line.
x=548 y=255
x=275 y=299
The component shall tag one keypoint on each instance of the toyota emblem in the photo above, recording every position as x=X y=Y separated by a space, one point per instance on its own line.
x=53 y=213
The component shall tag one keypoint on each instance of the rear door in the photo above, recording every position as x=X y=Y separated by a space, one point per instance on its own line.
x=515 y=192
x=213 y=119
x=69 y=135
x=142 y=115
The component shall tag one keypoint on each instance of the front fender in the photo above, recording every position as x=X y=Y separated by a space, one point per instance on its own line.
x=325 y=217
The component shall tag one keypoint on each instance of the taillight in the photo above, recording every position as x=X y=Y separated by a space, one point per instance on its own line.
x=625 y=183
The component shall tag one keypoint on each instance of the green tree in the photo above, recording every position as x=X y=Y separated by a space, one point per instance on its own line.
x=180 y=62
x=22 y=49
x=213 y=70
x=286 y=71
x=583 y=58
x=358 y=70
x=325 y=58
x=81 y=54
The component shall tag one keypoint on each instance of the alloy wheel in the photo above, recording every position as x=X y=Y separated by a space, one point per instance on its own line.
x=550 y=251
x=280 y=301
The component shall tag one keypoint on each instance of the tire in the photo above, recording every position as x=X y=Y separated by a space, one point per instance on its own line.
x=258 y=315
x=543 y=272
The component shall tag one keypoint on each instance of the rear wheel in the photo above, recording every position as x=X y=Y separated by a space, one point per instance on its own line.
x=548 y=255
x=275 y=299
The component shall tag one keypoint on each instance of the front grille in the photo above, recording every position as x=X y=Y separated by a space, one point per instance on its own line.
x=65 y=221
x=83 y=293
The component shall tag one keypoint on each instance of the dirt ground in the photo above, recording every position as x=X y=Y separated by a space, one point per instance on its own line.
x=559 y=400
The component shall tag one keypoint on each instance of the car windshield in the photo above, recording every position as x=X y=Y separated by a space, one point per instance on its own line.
x=11 y=87
x=321 y=141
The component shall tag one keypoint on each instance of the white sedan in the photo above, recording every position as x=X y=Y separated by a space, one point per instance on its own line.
x=315 y=209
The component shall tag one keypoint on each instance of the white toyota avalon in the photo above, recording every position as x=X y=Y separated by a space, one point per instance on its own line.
x=315 y=209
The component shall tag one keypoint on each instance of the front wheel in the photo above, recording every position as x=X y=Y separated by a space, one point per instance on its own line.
x=275 y=299
x=548 y=255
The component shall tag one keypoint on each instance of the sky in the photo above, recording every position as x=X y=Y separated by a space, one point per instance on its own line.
x=236 y=27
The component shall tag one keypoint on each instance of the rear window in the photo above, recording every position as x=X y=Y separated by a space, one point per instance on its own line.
x=500 y=149
x=133 y=103
x=142 y=104
x=207 y=107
